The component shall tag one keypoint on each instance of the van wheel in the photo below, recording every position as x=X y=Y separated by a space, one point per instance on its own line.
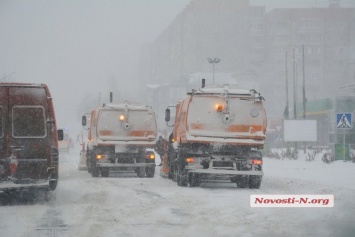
x=53 y=184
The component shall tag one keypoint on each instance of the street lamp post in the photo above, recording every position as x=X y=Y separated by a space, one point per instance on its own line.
x=213 y=61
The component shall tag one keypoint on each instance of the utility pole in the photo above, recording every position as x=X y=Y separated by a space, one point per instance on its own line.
x=294 y=86
x=286 y=112
x=304 y=86
x=304 y=100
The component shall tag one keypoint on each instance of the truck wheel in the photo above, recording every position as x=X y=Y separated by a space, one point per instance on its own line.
x=88 y=162
x=150 y=171
x=174 y=173
x=105 y=172
x=182 y=178
x=195 y=180
x=94 y=170
x=242 y=181
x=141 y=172
x=255 y=181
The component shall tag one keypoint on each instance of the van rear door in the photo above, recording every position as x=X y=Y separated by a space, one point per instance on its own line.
x=27 y=138
x=3 y=147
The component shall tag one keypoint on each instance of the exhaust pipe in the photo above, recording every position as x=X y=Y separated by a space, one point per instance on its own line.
x=203 y=83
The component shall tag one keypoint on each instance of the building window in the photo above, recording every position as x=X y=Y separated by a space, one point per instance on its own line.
x=282 y=24
x=256 y=27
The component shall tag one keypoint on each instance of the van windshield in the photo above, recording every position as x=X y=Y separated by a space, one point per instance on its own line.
x=28 y=121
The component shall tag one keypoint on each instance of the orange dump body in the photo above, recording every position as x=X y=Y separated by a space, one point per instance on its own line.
x=227 y=116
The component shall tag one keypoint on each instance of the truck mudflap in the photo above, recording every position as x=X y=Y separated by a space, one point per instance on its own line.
x=225 y=171
x=134 y=165
x=25 y=185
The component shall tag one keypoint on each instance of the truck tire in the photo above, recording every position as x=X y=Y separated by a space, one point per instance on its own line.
x=141 y=172
x=242 y=181
x=105 y=172
x=88 y=161
x=182 y=179
x=94 y=170
x=195 y=180
x=175 y=175
x=150 y=171
x=254 y=181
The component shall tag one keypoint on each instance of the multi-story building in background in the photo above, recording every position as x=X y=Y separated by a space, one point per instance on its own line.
x=319 y=43
x=252 y=46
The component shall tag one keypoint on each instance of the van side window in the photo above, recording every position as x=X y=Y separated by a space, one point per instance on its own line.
x=1 y=123
x=28 y=121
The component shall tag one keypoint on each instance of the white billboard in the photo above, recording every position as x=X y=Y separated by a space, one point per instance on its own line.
x=300 y=130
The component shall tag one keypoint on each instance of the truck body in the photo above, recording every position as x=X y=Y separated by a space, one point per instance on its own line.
x=29 y=156
x=217 y=133
x=119 y=139
x=83 y=137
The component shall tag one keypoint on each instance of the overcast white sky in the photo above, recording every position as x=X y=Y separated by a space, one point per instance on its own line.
x=77 y=47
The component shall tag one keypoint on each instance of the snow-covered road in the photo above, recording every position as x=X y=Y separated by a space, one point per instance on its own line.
x=124 y=205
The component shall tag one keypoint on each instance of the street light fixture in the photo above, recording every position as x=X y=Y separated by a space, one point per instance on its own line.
x=213 y=61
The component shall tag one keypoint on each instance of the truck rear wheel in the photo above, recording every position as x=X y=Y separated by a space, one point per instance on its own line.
x=195 y=180
x=141 y=172
x=150 y=171
x=105 y=172
x=242 y=181
x=94 y=170
x=182 y=178
x=255 y=181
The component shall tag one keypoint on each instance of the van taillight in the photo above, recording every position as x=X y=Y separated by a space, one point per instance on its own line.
x=13 y=166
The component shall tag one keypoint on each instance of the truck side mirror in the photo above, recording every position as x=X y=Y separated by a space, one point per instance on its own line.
x=60 y=134
x=83 y=120
x=167 y=115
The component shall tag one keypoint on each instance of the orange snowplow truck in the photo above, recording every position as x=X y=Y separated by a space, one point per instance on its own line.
x=217 y=133
x=119 y=139
x=28 y=138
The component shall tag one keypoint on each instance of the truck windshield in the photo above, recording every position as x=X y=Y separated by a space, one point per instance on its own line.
x=28 y=121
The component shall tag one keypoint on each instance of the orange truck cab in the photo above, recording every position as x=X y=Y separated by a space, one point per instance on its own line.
x=28 y=138
x=119 y=139
x=217 y=133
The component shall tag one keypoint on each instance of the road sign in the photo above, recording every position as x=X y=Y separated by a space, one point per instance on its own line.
x=344 y=120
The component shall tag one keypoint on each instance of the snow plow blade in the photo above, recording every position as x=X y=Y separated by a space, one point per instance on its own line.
x=10 y=186
x=222 y=171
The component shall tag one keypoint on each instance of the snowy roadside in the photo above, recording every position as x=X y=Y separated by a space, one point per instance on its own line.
x=131 y=206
